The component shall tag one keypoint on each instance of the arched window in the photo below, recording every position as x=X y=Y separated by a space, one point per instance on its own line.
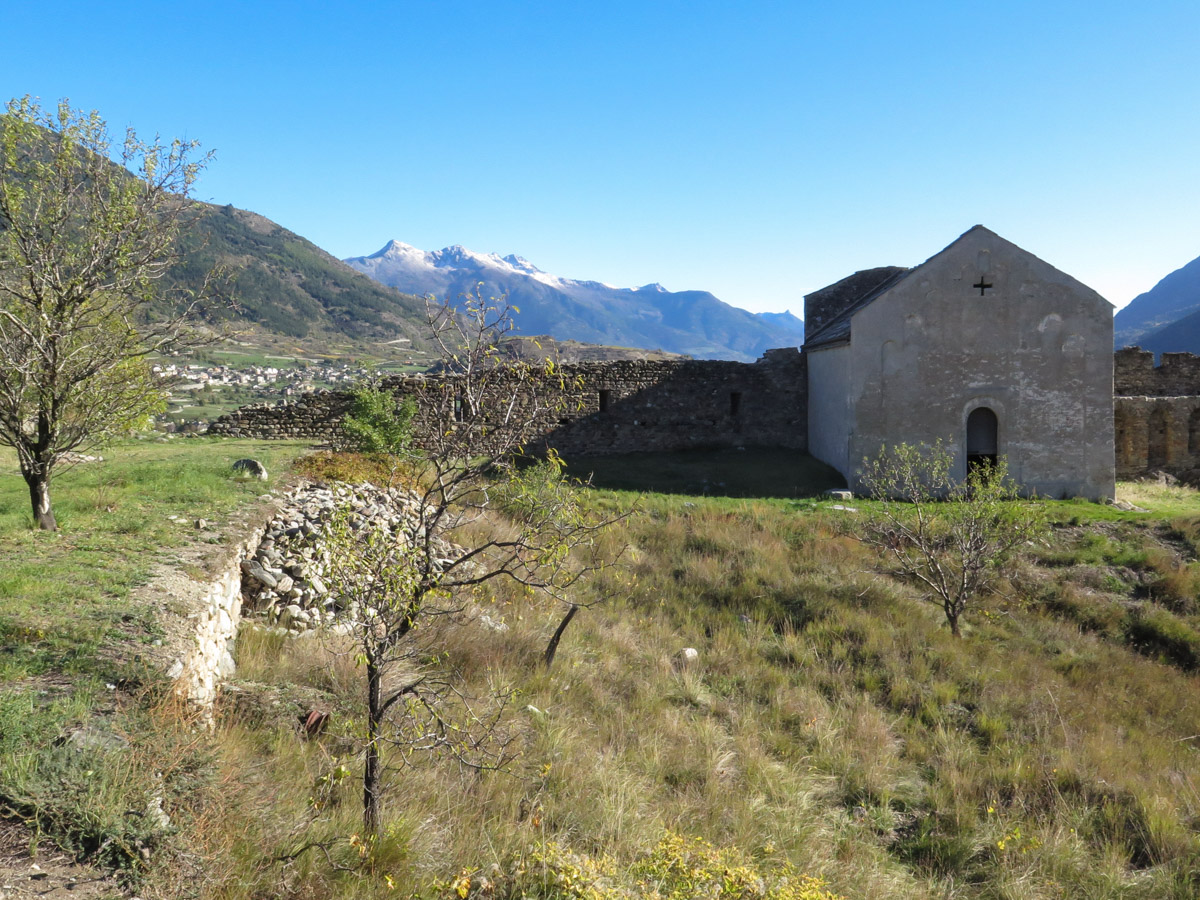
x=1159 y=441
x=983 y=441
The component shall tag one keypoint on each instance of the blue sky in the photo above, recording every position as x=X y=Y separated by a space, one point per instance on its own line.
x=757 y=150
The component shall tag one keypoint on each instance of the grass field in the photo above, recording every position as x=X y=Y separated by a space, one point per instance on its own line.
x=831 y=722
x=831 y=726
x=73 y=636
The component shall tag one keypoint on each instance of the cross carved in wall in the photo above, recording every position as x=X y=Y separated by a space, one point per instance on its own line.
x=982 y=285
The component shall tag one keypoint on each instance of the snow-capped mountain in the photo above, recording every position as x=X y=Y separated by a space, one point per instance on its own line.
x=651 y=317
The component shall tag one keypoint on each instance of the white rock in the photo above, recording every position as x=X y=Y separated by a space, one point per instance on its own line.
x=686 y=658
x=491 y=624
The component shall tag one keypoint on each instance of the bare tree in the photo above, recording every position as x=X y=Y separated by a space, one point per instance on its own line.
x=87 y=229
x=951 y=537
x=411 y=703
x=507 y=515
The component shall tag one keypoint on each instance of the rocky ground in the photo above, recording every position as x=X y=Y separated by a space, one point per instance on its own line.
x=33 y=868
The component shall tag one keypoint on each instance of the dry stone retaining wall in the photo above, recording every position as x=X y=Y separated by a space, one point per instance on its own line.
x=219 y=612
x=208 y=613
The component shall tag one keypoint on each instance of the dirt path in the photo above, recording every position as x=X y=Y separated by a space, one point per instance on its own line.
x=49 y=873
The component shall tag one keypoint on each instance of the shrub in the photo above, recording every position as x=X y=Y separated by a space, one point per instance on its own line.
x=951 y=538
x=378 y=422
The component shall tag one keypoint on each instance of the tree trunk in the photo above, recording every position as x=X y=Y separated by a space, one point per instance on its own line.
x=552 y=647
x=371 y=765
x=953 y=620
x=39 y=498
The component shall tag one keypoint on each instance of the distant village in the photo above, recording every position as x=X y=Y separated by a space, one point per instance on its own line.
x=196 y=385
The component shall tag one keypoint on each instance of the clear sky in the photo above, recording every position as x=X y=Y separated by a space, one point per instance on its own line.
x=757 y=150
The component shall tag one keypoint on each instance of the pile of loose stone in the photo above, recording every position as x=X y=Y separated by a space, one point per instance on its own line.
x=286 y=579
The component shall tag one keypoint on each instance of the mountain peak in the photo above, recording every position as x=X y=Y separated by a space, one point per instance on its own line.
x=395 y=248
x=522 y=264
x=655 y=287
x=458 y=254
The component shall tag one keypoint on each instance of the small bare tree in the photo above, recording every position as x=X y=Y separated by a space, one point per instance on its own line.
x=951 y=537
x=86 y=232
x=411 y=704
x=508 y=516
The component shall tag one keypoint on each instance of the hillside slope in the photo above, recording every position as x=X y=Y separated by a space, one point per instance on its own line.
x=1182 y=335
x=650 y=317
x=1150 y=317
x=287 y=285
x=829 y=718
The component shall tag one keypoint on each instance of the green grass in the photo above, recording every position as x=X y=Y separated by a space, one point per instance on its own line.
x=831 y=718
x=64 y=596
x=213 y=402
x=72 y=633
x=245 y=356
x=832 y=724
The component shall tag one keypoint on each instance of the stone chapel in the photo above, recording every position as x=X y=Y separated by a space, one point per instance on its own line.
x=984 y=346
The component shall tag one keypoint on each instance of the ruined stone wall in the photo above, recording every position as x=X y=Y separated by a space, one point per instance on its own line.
x=1135 y=375
x=1156 y=413
x=312 y=416
x=1157 y=434
x=629 y=406
x=600 y=408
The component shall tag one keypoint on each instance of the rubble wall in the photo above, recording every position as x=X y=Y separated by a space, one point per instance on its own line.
x=630 y=406
x=218 y=614
x=1157 y=434
x=600 y=408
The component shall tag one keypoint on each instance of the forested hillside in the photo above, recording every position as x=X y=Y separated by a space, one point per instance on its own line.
x=289 y=286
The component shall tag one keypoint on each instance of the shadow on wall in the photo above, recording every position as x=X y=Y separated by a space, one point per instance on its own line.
x=697 y=404
x=1157 y=434
x=600 y=408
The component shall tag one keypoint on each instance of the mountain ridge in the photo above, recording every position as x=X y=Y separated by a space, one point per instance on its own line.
x=1152 y=316
x=695 y=323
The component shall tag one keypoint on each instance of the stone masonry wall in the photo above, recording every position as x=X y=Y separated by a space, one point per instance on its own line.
x=1135 y=375
x=1156 y=413
x=604 y=407
x=1157 y=434
x=203 y=614
x=217 y=616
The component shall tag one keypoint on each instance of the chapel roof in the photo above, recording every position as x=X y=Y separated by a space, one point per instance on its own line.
x=851 y=294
